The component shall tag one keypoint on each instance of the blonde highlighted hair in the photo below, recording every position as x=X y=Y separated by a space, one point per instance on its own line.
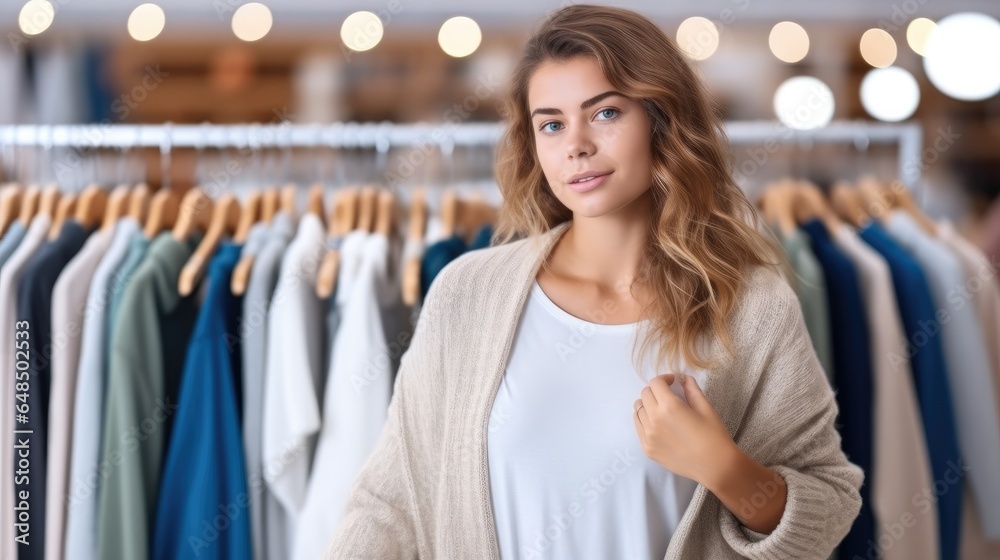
x=704 y=235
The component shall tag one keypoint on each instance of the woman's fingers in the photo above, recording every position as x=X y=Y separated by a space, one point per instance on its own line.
x=660 y=387
x=639 y=408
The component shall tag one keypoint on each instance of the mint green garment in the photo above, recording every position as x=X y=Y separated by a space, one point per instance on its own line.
x=150 y=343
x=810 y=286
x=137 y=248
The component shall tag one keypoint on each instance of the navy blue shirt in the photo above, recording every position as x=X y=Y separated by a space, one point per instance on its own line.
x=852 y=371
x=204 y=477
x=930 y=377
x=34 y=306
x=483 y=237
x=436 y=257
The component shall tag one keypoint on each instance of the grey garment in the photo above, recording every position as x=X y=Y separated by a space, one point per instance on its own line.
x=11 y=239
x=266 y=244
x=977 y=414
x=810 y=287
x=398 y=319
x=137 y=248
x=81 y=515
x=256 y=238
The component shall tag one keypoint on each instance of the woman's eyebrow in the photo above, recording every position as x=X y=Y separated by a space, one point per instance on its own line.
x=592 y=101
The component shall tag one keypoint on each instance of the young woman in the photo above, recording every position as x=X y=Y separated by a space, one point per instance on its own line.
x=523 y=424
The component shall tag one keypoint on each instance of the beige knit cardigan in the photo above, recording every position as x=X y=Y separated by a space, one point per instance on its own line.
x=424 y=492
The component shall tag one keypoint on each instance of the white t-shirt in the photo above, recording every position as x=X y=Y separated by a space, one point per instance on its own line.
x=568 y=476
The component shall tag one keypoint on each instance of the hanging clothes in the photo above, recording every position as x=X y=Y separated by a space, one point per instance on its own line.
x=192 y=498
x=150 y=341
x=69 y=303
x=901 y=466
x=34 y=307
x=981 y=291
x=359 y=384
x=252 y=387
x=810 y=286
x=137 y=248
x=267 y=518
x=977 y=412
x=11 y=239
x=11 y=275
x=295 y=335
x=84 y=476
x=852 y=372
x=483 y=237
x=436 y=257
x=916 y=308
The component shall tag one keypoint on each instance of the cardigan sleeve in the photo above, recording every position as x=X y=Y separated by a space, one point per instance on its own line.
x=791 y=420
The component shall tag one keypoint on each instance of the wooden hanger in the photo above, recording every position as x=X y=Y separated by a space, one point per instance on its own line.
x=225 y=219
x=138 y=203
x=288 y=198
x=266 y=203
x=848 y=204
x=194 y=214
x=411 y=268
x=877 y=202
x=269 y=204
x=470 y=215
x=341 y=222
x=49 y=200
x=811 y=204
x=116 y=207
x=366 y=208
x=249 y=216
x=10 y=206
x=315 y=204
x=777 y=205
x=164 y=210
x=449 y=212
x=476 y=213
x=64 y=209
x=903 y=200
x=30 y=201
x=90 y=206
x=385 y=214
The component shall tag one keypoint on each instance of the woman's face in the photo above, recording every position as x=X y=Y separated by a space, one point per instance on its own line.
x=584 y=128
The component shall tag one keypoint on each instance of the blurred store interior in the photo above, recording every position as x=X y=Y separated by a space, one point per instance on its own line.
x=405 y=61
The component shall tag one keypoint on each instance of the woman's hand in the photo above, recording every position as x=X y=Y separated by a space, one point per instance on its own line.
x=688 y=439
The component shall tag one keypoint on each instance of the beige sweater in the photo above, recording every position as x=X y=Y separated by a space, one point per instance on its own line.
x=424 y=492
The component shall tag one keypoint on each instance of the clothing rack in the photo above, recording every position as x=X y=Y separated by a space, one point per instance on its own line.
x=385 y=135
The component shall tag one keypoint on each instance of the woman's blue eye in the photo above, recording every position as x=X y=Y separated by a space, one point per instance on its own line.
x=605 y=112
x=548 y=129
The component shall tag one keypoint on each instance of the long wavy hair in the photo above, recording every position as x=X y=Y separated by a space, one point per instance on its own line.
x=704 y=235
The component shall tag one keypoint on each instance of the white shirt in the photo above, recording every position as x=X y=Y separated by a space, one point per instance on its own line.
x=293 y=375
x=358 y=388
x=84 y=480
x=568 y=476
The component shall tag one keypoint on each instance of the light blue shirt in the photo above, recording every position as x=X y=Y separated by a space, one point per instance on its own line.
x=11 y=239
